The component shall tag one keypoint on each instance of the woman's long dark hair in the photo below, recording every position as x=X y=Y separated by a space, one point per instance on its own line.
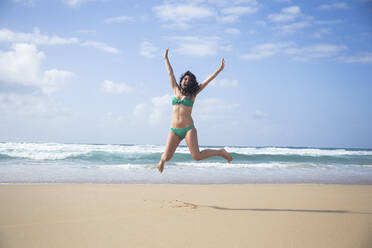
x=193 y=86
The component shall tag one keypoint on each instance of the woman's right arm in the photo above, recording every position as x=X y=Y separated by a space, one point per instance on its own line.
x=172 y=79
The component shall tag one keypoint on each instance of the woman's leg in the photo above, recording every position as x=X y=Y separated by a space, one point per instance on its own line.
x=192 y=142
x=172 y=143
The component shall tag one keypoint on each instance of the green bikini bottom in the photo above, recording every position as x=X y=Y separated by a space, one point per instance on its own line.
x=181 y=132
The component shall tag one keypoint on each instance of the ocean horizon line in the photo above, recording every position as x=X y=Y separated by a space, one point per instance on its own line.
x=182 y=145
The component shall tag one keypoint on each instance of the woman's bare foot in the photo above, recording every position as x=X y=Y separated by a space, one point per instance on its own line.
x=161 y=166
x=226 y=155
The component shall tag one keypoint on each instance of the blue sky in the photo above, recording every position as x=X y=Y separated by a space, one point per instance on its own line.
x=297 y=73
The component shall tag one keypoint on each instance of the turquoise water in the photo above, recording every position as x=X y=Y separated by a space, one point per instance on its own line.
x=104 y=163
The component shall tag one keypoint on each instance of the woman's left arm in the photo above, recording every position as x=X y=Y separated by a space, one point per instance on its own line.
x=211 y=77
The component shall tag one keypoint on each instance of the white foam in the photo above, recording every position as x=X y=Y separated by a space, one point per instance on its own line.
x=269 y=165
x=40 y=151
x=124 y=166
x=294 y=151
x=56 y=151
x=241 y=165
x=116 y=166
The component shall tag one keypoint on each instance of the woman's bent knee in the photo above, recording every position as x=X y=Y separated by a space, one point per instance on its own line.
x=196 y=156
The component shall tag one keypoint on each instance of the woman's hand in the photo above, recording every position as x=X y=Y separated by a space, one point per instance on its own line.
x=166 y=54
x=222 y=65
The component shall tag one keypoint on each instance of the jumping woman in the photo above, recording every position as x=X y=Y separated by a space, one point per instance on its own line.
x=183 y=99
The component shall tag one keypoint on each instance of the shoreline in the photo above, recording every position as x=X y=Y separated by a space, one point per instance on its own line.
x=185 y=215
x=170 y=183
x=186 y=183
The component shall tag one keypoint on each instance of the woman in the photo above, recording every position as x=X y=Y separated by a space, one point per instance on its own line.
x=182 y=123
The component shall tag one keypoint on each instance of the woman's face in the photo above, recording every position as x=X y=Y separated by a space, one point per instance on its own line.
x=185 y=81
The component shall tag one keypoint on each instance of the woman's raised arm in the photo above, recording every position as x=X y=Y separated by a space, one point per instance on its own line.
x=211 y=77
x=172 y=79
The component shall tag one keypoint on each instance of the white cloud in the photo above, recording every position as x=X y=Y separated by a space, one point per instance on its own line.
x=109 y=116
x=228 y=18
x=322 y=31
x=225 y=2
x=159 y=111
x=264 y=50
x=292 y=27
x=100 y=46
x=75 y=3
x=286 y=14
x=216 y=2
x=258 y=114
x=116 y=88
x=35 y=37
x=328 y=22
x=225 y=83
x=290 y=20
x=315 y=51
x=283 y=1
x=118 y=19
x=293 y=10
x=233 y=31
x=281 y=17
x=121 y=118
x=20 y=106
x=220 y=3
x=251 y=2
x=299 y=53
x=23 y=66
x=25 y=2
x=147 y=49
x=239 y=10
x=232 y=14
x=180 y=14
x=261 y=23
x=214 y=109
x=86 y=31
x=336 y=5
x=140 y=113
x=195 y=46
x=360 y=58
x=52 y=80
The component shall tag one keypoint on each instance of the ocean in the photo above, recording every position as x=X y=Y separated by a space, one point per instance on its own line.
x=110 y=163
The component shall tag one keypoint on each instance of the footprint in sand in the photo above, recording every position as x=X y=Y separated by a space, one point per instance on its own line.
x=182 y=204
x=174 y=204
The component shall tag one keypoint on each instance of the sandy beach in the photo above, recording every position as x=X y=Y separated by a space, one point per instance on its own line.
x=174 y=215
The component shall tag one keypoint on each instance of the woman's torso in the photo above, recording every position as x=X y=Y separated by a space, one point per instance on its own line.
x=181 y=113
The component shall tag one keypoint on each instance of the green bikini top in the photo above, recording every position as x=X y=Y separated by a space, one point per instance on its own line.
x=186 y=101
